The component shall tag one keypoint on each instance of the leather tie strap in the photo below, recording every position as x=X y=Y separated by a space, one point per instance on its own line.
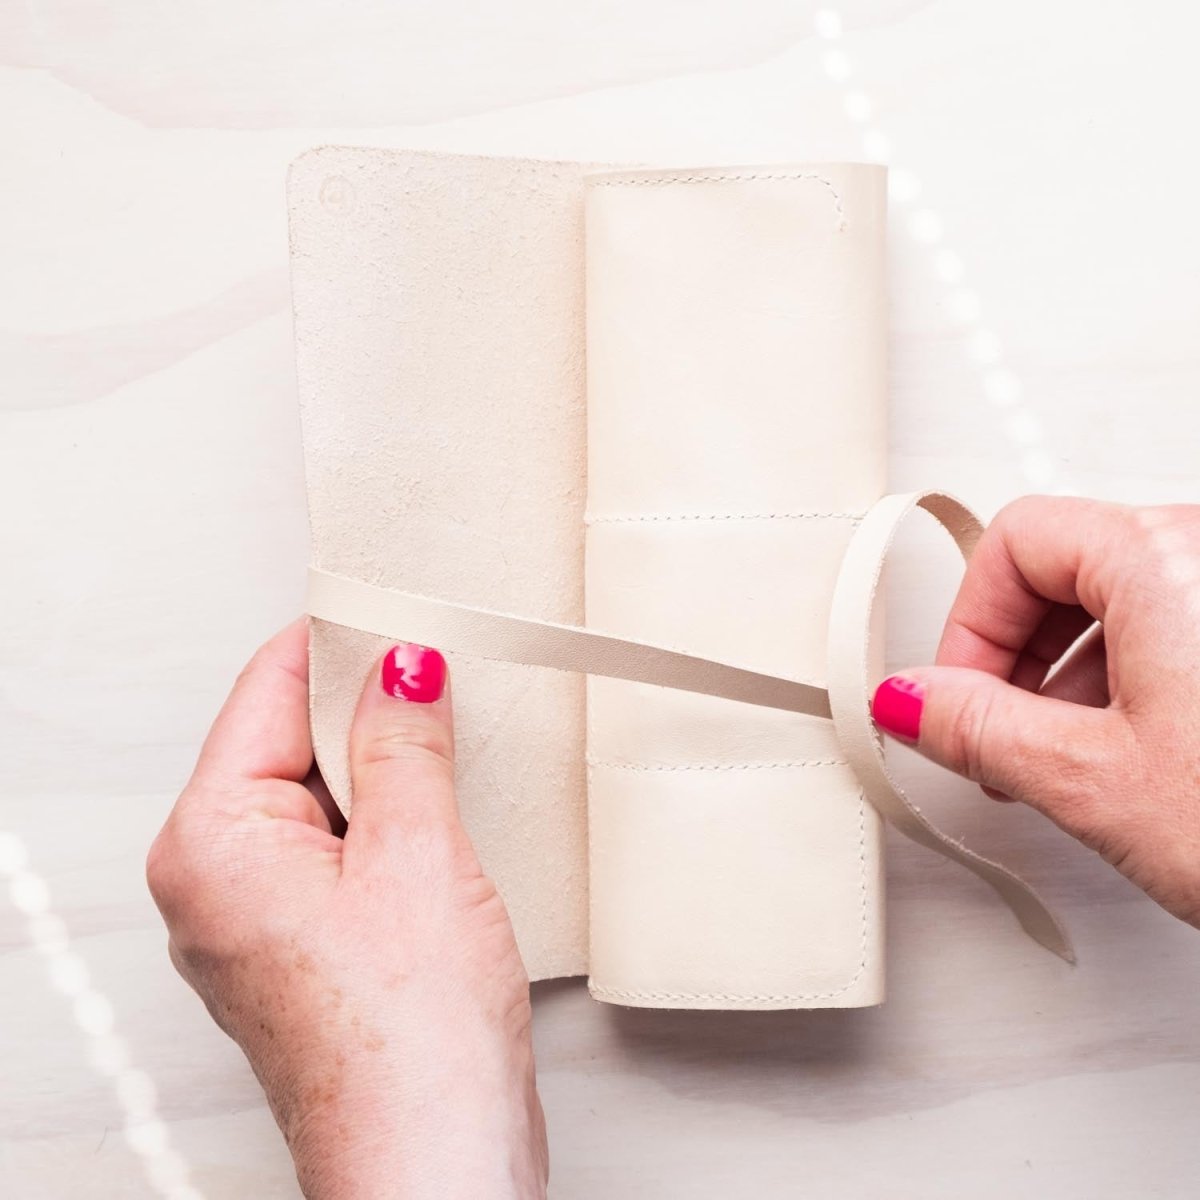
x=849 y=692
x=466 y=629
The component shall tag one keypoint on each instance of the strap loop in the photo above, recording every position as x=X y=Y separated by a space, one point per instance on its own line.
x=849 y=633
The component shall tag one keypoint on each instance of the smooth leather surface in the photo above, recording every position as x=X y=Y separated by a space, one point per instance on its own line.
x=734 y=861
x=736 y=337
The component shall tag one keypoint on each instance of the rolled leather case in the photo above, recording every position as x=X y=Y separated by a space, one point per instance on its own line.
x=651 y=401
x=736 y=430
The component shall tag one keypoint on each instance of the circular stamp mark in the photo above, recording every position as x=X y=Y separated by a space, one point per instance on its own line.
x=336 y=194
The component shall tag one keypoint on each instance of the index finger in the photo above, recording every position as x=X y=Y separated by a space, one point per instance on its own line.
x=262 y=730
x=1038 y=553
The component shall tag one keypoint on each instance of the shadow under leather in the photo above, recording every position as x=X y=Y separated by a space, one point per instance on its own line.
x=972 y=1006
x=711 y=1038
x=785 y=1061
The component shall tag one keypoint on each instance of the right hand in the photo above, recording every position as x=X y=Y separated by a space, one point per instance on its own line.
x=1108 y=746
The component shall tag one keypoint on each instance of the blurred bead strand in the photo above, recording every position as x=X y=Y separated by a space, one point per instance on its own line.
x=107 y=1052
x=999 y=384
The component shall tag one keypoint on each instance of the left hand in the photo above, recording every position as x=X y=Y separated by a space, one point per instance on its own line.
x=372 y=981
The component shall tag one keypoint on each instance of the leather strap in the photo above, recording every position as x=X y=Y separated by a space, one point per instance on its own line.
x=849 y=692
x=466 y=629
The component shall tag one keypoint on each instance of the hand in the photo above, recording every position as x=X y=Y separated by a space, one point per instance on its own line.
x=1108 y=746
x=372 y=981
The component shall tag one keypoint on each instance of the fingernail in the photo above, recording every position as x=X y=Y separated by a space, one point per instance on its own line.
x=897 y=707
x=412 y=672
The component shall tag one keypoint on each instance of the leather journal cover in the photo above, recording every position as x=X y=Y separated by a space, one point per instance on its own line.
x=543 y=399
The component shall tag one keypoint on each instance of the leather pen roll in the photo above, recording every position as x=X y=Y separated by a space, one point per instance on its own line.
x=736 y=428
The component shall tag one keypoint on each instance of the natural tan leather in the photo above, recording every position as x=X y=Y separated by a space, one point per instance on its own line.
x=736 y=387
x=734 y=861
x=851 y=678
x=507 y=637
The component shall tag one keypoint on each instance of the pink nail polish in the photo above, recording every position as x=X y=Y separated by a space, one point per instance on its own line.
x=897 y=707
x=412 y=672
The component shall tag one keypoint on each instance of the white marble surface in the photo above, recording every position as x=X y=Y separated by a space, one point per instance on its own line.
x=154 y=533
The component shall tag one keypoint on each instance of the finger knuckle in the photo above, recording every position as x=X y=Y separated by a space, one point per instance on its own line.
x=161 y=868
x=185 y=864
x=415 y=740
x=206 y=877
x=966 y=737
x=1018 y=513
x=173 y=872
x=1166 y=540
x=263 y=657
x=1150 y=529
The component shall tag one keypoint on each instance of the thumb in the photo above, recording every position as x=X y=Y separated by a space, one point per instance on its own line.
x=1052 y=754
x=402 y=746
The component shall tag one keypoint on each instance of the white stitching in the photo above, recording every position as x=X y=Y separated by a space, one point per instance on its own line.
x=748 y=766
x=665 y=180
x=610 y=518
x=602 y=993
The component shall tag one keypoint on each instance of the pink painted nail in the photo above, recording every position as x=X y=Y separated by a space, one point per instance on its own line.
x=897 y=707
x=412 y=672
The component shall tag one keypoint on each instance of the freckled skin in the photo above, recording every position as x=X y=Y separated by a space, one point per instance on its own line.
x=372 y=980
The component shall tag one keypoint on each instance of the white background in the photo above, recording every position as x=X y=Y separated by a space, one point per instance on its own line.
x=1045 y=306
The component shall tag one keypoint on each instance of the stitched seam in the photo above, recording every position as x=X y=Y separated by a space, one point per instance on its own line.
x=617 y=993
x=603 y=993
x=738 y=177
x=518 y=164
x=746 y=766
x=612 y=518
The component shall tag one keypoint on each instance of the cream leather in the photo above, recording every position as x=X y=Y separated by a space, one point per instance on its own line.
x=440 y=368
x=851 y=681
x=736 y=428
x=734 y=859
